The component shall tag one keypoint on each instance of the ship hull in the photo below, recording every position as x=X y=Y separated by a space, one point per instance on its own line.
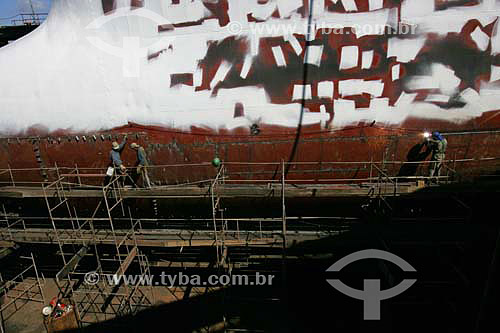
x=313 y=156
x=335 y=99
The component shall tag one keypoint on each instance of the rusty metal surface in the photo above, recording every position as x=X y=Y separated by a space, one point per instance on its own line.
x=166 y=147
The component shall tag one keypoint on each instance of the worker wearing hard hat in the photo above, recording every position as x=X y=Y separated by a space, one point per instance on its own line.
x=115 y=160
x=141 y=164
x=116 y=152
x=437 y=144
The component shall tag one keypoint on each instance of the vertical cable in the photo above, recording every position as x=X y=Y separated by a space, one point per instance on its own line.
x=304 y=83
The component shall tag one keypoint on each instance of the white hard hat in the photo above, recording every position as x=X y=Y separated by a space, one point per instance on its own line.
x=47 y=311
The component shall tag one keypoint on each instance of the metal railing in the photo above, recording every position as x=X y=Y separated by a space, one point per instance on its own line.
x=22 y=288
x=29 y=19
x=126 y=245
x=255 y=173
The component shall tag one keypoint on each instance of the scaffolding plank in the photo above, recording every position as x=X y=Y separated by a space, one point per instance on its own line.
x=6 y=251
x=71 y=265
x=150 y=239
x=224 y=191
x=167 y=238
x=126 y=263
x=121 y=270
x=7 y=244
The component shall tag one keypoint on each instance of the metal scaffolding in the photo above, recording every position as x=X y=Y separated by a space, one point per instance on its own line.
x=110 y=239
x=323 y=172
x=219 y=228
x=7 y=226
x=19 y=290
x=105 y=292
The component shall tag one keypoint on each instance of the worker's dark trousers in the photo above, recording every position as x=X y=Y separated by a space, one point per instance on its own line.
x=143 y=173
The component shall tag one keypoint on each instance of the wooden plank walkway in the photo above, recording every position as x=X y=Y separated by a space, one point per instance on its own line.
x=223 y=191
x=154 y=238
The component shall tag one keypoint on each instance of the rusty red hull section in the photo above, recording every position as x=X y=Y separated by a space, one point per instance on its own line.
x=182 y=153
